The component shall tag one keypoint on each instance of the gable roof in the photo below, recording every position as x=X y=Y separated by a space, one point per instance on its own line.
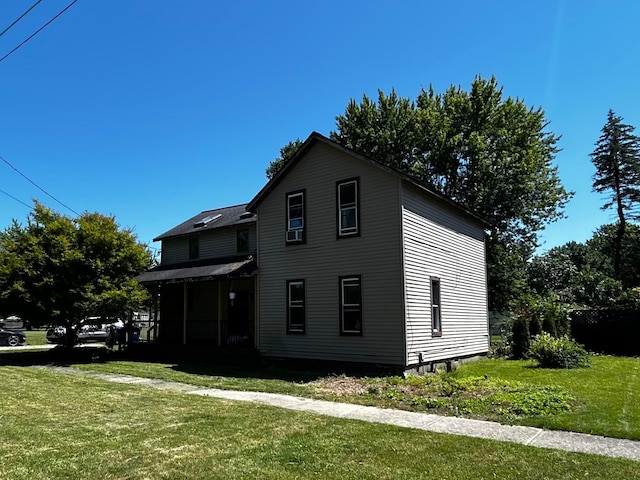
x=316 y=137
x=211 y=219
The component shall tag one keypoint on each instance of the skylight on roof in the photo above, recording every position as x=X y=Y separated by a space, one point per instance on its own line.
x=206 y=220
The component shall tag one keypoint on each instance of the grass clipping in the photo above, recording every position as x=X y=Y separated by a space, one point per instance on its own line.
x=480 y=397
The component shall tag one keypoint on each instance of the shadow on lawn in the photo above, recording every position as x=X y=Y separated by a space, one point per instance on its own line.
x=55 y=356
x=221 y=362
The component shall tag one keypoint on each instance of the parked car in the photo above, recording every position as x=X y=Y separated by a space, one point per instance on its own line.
x=12 y=338
x=88 y=332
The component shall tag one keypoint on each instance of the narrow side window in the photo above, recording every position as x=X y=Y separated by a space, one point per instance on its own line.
x=242 y=241
x=436 y=313
x=194 y=248
x=295 y=306
x=350 y=306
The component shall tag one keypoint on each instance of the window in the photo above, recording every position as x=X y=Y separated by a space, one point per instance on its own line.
x=242 y=241
x=436 y=314
x=194 y=248
x=350 y=306
x=348 y=213
x=295 y=217
x=206 y=220
x=295 y=306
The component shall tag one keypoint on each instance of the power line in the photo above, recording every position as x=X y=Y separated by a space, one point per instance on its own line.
x=19 y=18
x=39 y=187
x=39 y=30
x=17 y=200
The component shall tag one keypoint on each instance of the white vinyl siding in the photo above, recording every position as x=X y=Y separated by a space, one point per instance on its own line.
x=441 y=242
x=215 y=243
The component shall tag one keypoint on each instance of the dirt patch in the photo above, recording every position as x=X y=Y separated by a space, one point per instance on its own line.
x=342 y=386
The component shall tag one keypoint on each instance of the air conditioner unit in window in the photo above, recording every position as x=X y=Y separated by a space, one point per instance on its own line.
x=294 y=235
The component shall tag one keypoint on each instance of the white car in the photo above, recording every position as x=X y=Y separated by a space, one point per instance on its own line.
x=91 y=331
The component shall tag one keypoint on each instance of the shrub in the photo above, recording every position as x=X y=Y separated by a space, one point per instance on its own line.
x=560 y=352
x=520 y=340
x=556 y=317
x=535 y=325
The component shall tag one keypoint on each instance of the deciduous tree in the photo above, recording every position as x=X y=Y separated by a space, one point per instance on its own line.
x=490 y=154
x=58 y=270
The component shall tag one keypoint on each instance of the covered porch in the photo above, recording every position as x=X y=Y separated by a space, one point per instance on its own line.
x=210 y=304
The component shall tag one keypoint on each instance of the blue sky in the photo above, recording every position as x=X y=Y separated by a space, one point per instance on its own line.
x=155 y=111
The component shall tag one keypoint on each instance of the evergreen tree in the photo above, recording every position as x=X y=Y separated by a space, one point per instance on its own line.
x=617 y=162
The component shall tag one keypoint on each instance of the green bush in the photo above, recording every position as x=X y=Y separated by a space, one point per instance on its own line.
x=551 y=352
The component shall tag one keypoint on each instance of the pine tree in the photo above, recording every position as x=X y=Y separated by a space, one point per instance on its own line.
x=617 y=162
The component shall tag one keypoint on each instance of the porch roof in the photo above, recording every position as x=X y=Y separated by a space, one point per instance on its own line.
x=209 y=270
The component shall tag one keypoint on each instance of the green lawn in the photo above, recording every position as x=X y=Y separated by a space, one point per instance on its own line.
x=36 y=337
x=607 y=393
x=605 y=398
x=59 y=426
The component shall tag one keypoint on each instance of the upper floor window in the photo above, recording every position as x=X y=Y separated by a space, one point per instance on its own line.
x=348 y=212
x=194 y=248
x=350 y=306
x=295 y=217
x=436 y=318
x=295 y=306
x=242 y=241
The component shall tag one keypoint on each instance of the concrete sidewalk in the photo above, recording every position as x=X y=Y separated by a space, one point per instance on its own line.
x=537 y=437
x=19 y=348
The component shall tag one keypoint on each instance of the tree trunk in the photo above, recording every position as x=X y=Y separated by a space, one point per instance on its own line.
x=617 y=255
x=622 y=224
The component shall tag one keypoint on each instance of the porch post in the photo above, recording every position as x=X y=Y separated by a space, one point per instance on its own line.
x=184 y=312
x=155 y=315
x=219 y=313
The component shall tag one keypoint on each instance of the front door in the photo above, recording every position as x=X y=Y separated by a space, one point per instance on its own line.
x=239 y=329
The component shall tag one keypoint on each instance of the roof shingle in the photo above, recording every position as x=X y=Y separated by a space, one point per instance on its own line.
x=218 y=218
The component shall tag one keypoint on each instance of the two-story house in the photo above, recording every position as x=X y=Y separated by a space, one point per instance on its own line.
x=356 y=262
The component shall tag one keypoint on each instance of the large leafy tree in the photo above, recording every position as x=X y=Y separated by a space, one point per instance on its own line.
x=58 y=270
x=617 y=161
x=490 y=154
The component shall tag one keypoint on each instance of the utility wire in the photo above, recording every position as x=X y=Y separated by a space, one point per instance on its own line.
x=39 y=30
x=17 y=200
x=39 y=187
x=19 y=18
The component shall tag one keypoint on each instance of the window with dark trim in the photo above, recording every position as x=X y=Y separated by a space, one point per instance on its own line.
x=242 y=241
x=295 y=306
x=350 y=306
x=194 y=248
x=436 y=312
x=348 y=211
x=295 y=217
